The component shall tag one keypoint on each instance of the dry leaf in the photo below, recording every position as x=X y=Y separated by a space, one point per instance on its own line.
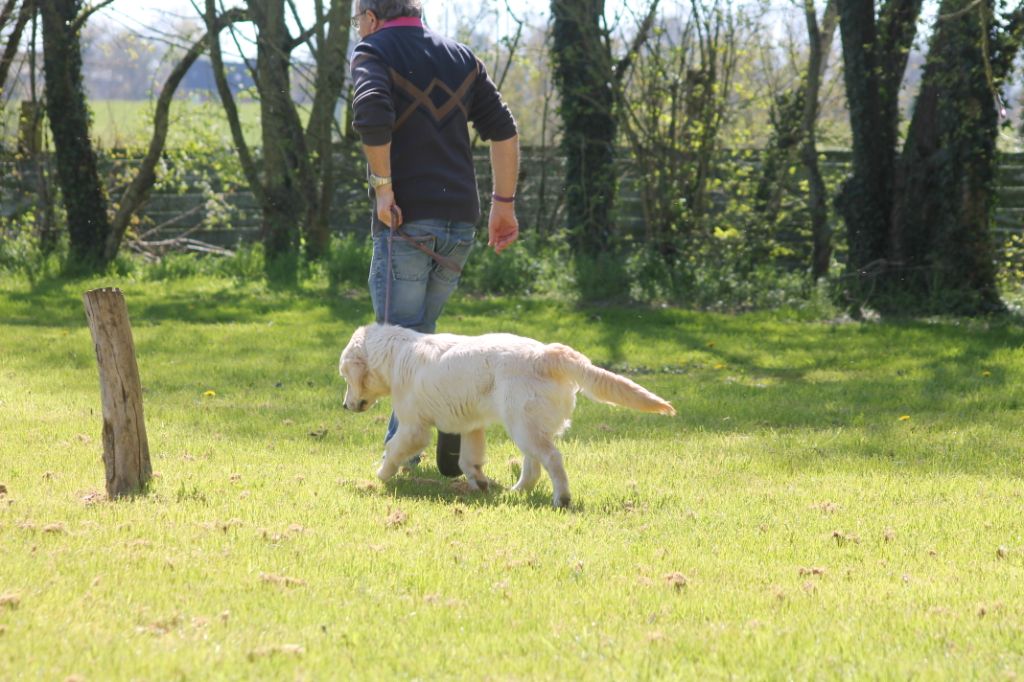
x=282 y=580
x=286 y=649
x=813 y=570
x=676 y=580
x=396 y=518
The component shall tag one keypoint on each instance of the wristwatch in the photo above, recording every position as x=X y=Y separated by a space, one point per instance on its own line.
x=379 y=180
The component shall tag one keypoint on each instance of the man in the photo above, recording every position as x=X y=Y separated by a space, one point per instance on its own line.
x=415 y=92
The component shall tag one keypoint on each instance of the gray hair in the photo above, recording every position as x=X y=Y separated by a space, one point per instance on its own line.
x=392 y=9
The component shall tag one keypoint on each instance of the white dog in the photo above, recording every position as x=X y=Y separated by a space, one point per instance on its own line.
x=460 y=384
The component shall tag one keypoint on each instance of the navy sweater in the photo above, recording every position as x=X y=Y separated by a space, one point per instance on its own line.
x=419 y=90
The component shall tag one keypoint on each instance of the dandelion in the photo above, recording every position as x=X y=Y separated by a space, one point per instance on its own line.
x=209 y=393
x=986 y=373
x=720 y=366
x=904 y=417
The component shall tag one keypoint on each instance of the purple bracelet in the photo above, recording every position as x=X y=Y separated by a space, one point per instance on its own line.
x=504 y=200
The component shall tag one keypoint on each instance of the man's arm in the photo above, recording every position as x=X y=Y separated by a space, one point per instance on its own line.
x=502 y=226
x=378 y=157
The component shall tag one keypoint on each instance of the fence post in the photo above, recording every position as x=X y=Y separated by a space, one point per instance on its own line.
x=125 y=448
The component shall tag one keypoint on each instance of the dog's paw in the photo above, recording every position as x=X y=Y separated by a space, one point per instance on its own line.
x=386 y=471
x=562 y=501
x=479 y=485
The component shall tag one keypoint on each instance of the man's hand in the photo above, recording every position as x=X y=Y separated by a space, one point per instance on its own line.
x=502 y=227
x=385 y=205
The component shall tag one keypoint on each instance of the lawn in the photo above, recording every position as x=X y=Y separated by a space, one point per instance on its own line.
x=834 y=500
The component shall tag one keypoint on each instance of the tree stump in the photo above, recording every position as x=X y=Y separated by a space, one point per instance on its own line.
x=125 y=448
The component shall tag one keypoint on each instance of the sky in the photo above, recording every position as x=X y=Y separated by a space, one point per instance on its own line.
x=438 y=13
x=146 y=16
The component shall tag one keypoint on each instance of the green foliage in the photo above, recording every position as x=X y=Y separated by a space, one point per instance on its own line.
x=244 y=265
x=20 y=250
x=532 y=266
x=348 y=261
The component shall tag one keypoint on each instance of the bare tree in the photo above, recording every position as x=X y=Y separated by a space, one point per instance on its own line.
x=21 y=14
x=819 y=40
x=677 y=102
x=293 y=185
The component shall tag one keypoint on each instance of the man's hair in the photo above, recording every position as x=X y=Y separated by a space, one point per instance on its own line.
x=392 y=9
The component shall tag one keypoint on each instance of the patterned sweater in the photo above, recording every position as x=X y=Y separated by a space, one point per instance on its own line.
x=418 y=90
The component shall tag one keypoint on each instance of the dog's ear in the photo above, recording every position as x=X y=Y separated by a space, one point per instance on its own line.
x=356 y=372
x=353 y=359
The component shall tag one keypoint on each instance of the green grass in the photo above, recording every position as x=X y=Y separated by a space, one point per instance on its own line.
x=121 y=123
x=787 y=524
x=129 y=123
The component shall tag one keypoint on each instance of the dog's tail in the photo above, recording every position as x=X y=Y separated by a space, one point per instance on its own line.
x=602 y=385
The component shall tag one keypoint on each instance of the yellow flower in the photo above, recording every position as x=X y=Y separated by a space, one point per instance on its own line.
x=904 y=417
x=719 y=366
x=986 y=373
x=209 y=394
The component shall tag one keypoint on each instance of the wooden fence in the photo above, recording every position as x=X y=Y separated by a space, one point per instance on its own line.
x=186 y=208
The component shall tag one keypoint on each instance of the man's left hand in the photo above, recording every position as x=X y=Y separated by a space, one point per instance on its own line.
x=502 y=227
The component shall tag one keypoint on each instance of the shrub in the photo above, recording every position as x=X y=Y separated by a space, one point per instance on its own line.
x=348 y=261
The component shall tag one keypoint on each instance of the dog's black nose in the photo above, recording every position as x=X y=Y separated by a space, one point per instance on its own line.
x=344 y=406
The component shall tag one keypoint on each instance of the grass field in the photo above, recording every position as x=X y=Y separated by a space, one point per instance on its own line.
x=833 y=501
x=129 y=123
x=121 y=123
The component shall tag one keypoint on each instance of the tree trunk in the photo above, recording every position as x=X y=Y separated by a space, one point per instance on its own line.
x=77 y=174
x=943 y=210
x=584 y=76
x=286 y=180
x=125 y=446
x=330 y=80
x=820 y=44
x=874 y=56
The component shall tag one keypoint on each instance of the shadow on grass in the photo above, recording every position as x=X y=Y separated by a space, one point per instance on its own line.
x=57 y=302
x=776 y=373
x=429 y=484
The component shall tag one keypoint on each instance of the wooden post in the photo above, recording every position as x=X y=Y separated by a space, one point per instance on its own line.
x=125 y=448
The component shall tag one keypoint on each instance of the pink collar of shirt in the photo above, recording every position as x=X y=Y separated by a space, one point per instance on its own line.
x=402 y=22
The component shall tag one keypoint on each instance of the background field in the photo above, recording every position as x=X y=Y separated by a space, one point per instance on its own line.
x=834 y=500
x=118 y=124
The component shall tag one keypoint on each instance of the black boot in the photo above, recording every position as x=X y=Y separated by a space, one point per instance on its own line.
x=448 y=446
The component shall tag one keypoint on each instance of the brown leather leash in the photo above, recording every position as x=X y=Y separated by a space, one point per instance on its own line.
x=396 y=231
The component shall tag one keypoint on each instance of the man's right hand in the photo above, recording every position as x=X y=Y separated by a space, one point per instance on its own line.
x=502 y=227
x=385 y=205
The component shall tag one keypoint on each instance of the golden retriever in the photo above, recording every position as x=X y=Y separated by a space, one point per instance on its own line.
x=461 y=384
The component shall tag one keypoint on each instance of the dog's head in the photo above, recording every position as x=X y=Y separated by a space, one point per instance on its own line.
x=365 y=383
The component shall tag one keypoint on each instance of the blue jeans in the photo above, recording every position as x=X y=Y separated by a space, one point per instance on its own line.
x=419 y=286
